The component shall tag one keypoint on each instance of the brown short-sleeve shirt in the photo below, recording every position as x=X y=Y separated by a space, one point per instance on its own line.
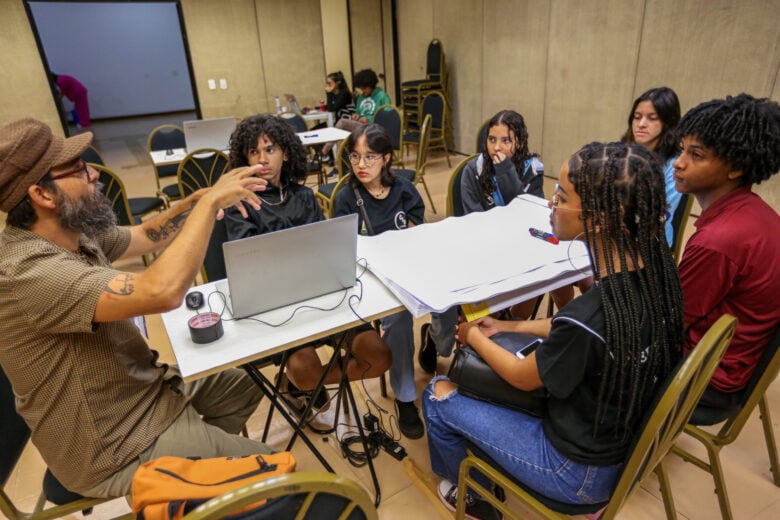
x=91 y=393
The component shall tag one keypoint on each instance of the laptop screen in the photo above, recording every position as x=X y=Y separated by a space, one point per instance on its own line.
x=272 y=270
x=209 y=133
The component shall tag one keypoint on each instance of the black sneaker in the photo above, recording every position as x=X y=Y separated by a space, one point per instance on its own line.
x=298 y=399
x=475 y=509
x=427 y=355
x=409 y=420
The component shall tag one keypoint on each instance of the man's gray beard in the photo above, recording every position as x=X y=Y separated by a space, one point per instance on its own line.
x=89 y=214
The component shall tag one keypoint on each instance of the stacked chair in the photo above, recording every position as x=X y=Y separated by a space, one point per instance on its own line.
x=413 y=92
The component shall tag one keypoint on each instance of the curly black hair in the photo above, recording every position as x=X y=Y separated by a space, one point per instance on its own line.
x=667 y=106
x=624 y=203
x=516 y=125
x=365 y=78
x=740 y=130
x=378 y=141
x=281 y=133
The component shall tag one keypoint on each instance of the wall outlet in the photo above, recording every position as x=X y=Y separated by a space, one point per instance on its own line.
x=212 y=84
x=223 y=83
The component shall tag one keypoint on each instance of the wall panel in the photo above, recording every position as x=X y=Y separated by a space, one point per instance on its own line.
x=464 y=62
x=514 y=54
x=24 y=87
x=590 y=74
x=415 y=31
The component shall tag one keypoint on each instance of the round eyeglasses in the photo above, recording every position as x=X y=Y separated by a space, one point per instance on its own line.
x=81 y=168
x=369 y=158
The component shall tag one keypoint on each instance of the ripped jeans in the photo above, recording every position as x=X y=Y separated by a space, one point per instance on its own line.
x=513 y=439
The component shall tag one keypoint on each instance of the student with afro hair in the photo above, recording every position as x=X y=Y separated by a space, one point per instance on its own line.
x=730 y=264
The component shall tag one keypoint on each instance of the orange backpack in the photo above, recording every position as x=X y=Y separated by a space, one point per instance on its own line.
x=170 y=487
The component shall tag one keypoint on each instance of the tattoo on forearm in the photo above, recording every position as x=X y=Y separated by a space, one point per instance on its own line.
x=122 y=285
x=168 y=228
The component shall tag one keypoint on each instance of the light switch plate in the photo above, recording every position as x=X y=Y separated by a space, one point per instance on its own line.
x=223 y=83
x=212 y=85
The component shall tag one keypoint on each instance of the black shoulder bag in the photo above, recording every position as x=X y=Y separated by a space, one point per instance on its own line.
x=477 y=380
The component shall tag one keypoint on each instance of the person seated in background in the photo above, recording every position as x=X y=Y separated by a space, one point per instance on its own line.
x=651 y=123
x=385 y=202
x=371 y=97
x=338 y=101
x=604 y=355
x=270 y=144
x=730 y=264
x=96 y=399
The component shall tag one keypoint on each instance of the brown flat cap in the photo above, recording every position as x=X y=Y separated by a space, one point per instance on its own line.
x=28 y=150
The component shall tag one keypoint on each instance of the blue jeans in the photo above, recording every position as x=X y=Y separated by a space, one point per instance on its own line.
x=399 y=335
x=513 y=439
x=443 y=330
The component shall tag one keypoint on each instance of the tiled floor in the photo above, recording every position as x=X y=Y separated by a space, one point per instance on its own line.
x=407 y=487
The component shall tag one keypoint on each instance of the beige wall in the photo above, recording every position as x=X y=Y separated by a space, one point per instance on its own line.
x=24 y=88
x=572 y=68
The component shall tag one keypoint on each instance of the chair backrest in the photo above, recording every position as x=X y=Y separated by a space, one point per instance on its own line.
x=765 y=373
x=422 y=149
x=389 y=118
x=679 y=220
x=434 y=104
x=308 y=495
x=343 y=166
x=296 y=121
x=454 y=199
x=201 y=169
x=482 y=135
x=214 y=262
x=91 y=155
x=434 y=59
x=165 y=137
x=667 y=417
x=114 y=190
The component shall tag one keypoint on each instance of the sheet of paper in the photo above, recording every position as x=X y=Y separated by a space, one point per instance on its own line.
x=470 y=258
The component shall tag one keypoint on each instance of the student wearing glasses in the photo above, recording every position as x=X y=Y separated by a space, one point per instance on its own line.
x=270 y=144
x=93 y=394
x=388 y=203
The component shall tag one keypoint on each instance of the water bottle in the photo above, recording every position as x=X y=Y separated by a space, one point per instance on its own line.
x=322 y=106
x=278 y=106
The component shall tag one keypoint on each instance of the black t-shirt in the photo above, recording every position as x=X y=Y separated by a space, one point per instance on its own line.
x=298 y=207
x=570 y=363
x=402 y=205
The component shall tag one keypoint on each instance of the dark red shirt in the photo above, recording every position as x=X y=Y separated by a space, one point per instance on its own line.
x=731 y=265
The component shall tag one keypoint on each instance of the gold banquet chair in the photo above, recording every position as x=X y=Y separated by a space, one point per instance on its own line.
x=665 y=420
x=325 y=496
x=735 y=419
x=417 y=175
x=201 y=169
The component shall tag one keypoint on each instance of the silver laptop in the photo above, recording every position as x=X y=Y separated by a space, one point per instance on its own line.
x=209 y=133
x=272 y=270
x=293 y=103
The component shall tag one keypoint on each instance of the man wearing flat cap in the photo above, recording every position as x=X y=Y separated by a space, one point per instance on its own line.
x=86 y=383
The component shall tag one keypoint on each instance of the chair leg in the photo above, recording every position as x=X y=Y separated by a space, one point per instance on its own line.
x=430 y=199
x=383 y=385
x=769 y=435
x=713 y=452
x=666 y=490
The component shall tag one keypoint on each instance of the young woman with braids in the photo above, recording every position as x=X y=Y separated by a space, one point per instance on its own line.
x=270 y=142
x=651 y=123
x=730 y=264
x=603 y=355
